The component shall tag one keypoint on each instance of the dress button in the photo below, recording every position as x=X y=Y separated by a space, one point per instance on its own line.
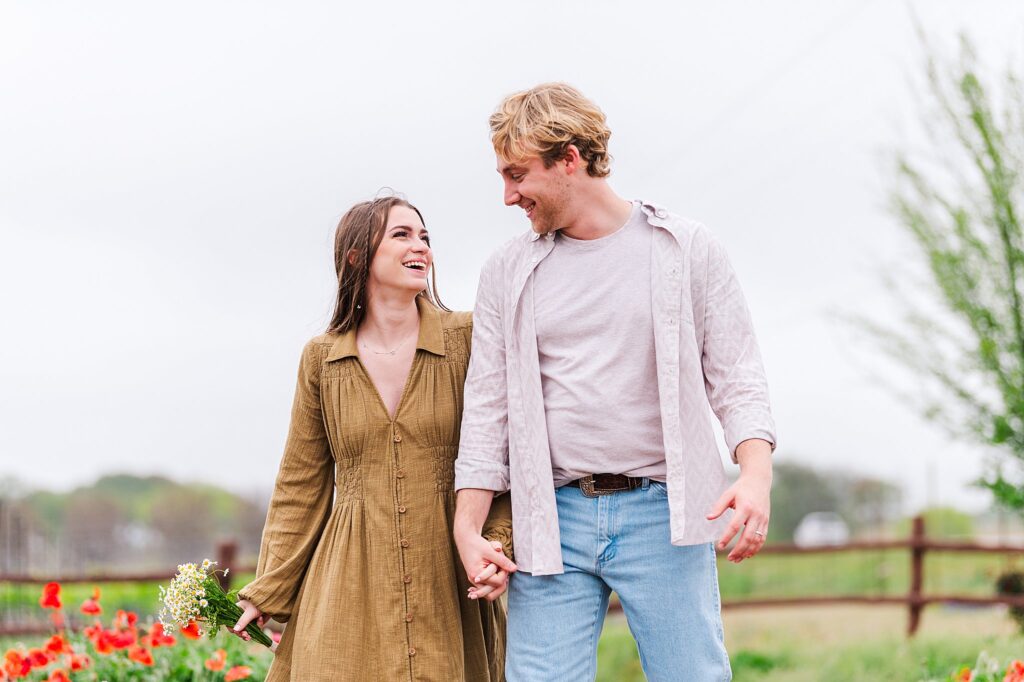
x=412 y=651
x=401 y=509
x=400 y=473
x=404 y=543
x=407 y=579
x=398 y=438
x=408 y=618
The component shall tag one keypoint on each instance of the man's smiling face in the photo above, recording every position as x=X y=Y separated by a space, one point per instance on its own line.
x=542 y=192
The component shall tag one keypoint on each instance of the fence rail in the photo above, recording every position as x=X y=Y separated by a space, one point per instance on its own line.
x=918 y=545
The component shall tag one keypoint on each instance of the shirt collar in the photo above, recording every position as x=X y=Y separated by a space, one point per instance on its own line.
x=431 y=336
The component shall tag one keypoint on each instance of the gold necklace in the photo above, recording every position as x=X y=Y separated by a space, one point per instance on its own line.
x=387 y=352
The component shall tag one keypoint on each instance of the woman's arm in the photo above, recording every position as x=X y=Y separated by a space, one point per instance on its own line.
x=302 y=499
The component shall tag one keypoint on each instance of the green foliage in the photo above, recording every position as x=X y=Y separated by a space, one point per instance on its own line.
x=962 y=210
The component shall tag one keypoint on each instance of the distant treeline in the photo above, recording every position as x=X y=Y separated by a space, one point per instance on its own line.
x=131 y=522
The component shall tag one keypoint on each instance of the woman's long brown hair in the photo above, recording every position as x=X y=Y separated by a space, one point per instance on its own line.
x=361 y=230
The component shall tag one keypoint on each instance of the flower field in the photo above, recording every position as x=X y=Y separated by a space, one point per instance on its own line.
x=120 y=647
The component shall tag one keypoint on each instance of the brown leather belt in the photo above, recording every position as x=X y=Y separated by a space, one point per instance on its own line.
x=606 y=484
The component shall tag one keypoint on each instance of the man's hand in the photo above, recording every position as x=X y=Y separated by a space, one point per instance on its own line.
x=750 y=497
x=492 y=582
x=486 y=565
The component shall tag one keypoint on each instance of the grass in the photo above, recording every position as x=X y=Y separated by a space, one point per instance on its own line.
x=839 y=644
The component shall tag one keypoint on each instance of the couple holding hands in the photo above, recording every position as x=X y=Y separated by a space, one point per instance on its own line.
x=555 y=444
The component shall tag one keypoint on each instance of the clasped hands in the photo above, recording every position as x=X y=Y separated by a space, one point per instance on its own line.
x=485 y=564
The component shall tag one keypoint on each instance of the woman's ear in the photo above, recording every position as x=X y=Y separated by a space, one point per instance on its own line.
x=353 y=257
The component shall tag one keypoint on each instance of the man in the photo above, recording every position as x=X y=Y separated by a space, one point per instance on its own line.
x=599 y=340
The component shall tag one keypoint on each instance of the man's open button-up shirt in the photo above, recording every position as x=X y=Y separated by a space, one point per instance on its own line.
x=706 y=354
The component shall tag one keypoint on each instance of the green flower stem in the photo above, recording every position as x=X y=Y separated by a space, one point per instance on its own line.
x=222 y=610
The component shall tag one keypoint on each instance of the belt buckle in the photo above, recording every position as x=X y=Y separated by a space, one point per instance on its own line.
x=587 y=486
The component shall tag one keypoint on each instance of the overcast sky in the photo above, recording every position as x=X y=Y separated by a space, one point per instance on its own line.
x=171 y=176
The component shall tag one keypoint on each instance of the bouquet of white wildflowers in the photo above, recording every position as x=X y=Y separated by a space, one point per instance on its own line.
x=195 y=596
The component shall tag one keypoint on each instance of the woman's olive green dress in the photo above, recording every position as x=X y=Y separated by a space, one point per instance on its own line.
x=357 y=554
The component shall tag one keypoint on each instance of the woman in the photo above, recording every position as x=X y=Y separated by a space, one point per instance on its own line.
x=370 y=583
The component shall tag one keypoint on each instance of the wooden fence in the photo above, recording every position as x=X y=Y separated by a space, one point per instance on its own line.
x=918 y=544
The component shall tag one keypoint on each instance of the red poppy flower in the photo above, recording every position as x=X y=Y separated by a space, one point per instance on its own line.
x=93 y=631
x=38 y=658
x=217 y=661
x=58 y=675
x=192 y=630
x=103 y=643
x=157 y=638
x=125 y=619
x=51 y=596
x=122 y=639
x=91 y=606
x=1015 y=672
x=57 y=645
x=140 y=655
x=239 y=672
x=80 y=662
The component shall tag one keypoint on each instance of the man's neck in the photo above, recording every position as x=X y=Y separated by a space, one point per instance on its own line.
x=597 y=212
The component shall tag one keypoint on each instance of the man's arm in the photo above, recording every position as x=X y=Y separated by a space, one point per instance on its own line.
x=750 y=497
x=482 y=465
x=738 y=392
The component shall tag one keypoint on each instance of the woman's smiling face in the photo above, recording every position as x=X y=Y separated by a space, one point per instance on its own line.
x=403 y=258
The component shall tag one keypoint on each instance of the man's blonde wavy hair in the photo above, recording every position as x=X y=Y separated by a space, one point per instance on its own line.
x=545 y=120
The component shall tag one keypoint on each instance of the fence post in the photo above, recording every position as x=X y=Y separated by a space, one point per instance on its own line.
x=226 y=552
x=917 y=549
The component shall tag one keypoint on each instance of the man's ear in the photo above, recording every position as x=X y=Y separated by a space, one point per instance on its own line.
x=573 y=160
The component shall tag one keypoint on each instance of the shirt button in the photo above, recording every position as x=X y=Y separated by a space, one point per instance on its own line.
x=398 y=438
x=412 y=651
x=660 y=213
x=404 y=543
x=408 y=618
x=400 y=473
x=533 y=260
x=671 y=321
x=401 y=509
x=407 y=579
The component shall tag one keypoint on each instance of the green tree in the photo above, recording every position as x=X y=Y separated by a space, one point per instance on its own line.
x=960 y=203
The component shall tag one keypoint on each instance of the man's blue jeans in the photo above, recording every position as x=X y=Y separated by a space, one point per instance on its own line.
x=669 y=594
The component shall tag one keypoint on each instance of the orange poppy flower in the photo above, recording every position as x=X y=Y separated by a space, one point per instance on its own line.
x=58 y=675
x=16 y=665
x=239 y=672
x=217 y=661
x=140 y=655
x=91 y=606
x=192 y=630
x=51 y=596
